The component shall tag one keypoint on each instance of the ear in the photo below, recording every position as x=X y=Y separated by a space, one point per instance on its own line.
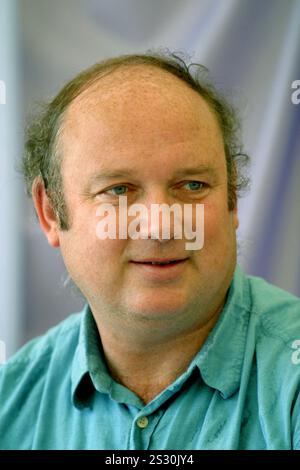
x=46 y=215
x=236 y=221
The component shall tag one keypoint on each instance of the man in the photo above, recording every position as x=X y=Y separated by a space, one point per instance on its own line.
x=176 y=348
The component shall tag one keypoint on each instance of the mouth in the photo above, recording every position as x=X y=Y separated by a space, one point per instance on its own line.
x=158 y=270
x=161 y=263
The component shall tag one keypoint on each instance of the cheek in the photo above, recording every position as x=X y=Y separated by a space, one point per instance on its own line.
x=96 y=266
x=106 y=254
x=218 y=223
x=85 y=254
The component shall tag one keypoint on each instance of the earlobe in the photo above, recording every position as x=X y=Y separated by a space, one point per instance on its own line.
x=236 y=218
x=46 y=214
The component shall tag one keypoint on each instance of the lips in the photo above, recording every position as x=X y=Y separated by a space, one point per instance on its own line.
x=159 y=270
x=159 y=262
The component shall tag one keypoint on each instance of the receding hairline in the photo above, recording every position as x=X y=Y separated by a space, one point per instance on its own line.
x=107 y=81
x=110 y=83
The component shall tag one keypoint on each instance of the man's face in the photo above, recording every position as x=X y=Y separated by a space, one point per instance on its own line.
x=146 y=135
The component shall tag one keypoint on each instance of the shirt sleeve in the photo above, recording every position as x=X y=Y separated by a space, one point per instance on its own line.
x=296 y=424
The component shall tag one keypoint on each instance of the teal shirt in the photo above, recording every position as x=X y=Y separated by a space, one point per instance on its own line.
x=241 y=391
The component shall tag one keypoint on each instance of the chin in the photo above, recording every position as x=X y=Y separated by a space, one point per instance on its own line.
x=157 y=309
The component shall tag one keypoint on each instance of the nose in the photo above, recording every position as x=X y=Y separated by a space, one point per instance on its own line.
x=160 y=219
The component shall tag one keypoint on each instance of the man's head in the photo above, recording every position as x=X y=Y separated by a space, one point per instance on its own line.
x=141 y=131
x=43 y=159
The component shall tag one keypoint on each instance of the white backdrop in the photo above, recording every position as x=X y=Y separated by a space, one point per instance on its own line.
x=252 y=48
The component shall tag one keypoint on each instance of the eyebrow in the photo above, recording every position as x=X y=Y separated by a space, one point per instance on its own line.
x=199 y=170
x=121 y=173
x=109 y=174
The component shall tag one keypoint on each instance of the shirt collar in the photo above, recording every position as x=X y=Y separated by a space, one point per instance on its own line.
x=88 y=362
x=220 y=360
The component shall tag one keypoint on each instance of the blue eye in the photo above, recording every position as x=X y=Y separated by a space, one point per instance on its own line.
x=194 y=185
x=118 y=190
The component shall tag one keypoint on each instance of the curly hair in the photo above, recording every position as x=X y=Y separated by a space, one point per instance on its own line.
x=41 y=157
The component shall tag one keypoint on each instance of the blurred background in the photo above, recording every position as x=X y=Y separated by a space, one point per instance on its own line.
x=252 y=49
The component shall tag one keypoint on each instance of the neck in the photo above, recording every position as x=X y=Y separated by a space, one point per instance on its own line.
x=147 y=366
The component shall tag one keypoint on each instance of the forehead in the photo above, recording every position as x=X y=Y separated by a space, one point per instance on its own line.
x=145 y=81
x=139 y=91
x=138 y=110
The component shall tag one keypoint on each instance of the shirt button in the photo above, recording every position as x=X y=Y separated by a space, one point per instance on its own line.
x=142 y=422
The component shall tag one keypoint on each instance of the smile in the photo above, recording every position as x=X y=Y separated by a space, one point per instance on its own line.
x=161 y=262
x=160 y=270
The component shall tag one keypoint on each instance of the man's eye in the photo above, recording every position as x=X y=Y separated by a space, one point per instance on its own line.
x=193 y=185
x=118 y=190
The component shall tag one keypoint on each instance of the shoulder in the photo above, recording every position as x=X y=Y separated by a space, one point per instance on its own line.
x=275 y=329
x=41 y=348
x=277 y=311
x=24 y=377
x=274 y=341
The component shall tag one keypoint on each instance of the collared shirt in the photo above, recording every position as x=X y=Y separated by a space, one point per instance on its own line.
x=241 y=391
